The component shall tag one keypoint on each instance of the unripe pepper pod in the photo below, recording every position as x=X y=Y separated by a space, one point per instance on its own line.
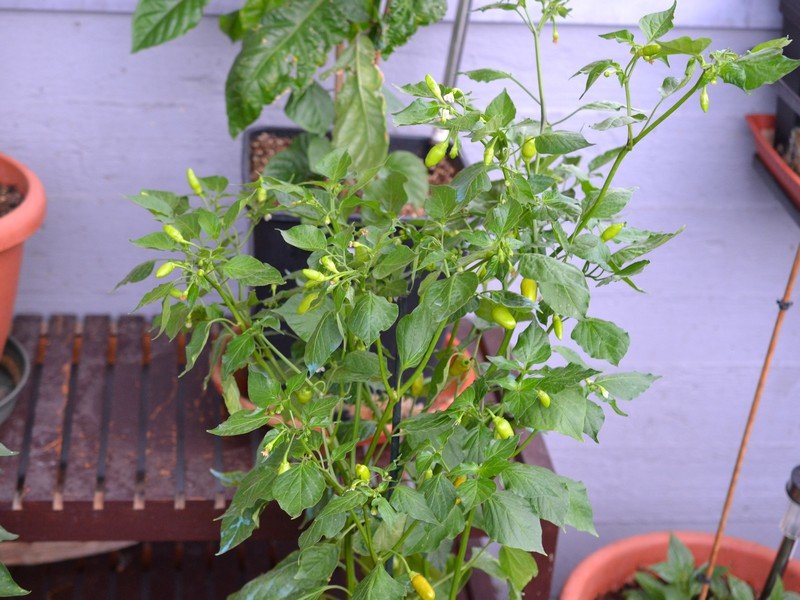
x=328 y=263
x=194 y=182
x=558 y=327
x=313 y=275
x=165 y=269
x=543 y=397
x=421 y=586
x=283 y=467
x=488 y=154
x=304 y=395
x=502 y=428
x=555 y=36
x=261 y=195
x=529 y=289
x=503 y=317
x=453 y=151
x=306 y=303
x=178 y=294
x=704 y=101
x=174 y=234
x=610 y=232
x=418 y=387
x=436 y=154
x=460 y=364
x=529 y=149
x=650 y=50
x=459 y=481
x=433 y=87
x=362 y=472
x=428 y=474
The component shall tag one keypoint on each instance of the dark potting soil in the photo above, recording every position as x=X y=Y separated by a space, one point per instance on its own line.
x=10 y=198
x=619 y=594
x=266 y=145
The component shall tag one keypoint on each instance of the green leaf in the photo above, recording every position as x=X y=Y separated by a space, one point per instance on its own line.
x=156 y=241
x=474 y=492
x=411 y=502
x=441 y=203
x=237 y=526
x=7 y=585
x=371 y=315
x=487 y=75
x=418 y=112
x=281 y=582
x=414 y=334
x=471 y=181
x=621 y=121
x=562 y=285
x=611 y=204
x=623 y=36
x=446 y=296
x=299 y=488
x=158 y=21
x=359 y=365
x=7 y=536
x=323 y=342
x=360 y=125
x=305 y=237
x=547 y=492
x=311 y=108
x=242 y=421
x=404 y=18
x=626 y=386
x=642 y=246
x=262 y=389
x=394 y=260
x=413 y=169
x=440 y=496
x=518 y=566
x=579 y=514
x=250 y=271
x=283 y=53
x=4 y=451
x=509 y=519
x=560 y=142
x=238 y=352
x=533 y=345
x=138 y=273
x=196 y=343
x=317 y=562
x=379 y=584
x=755 y=69
x=684 y=45
x=334 y=165
x=566 y=414
x=593 y=71
x=601 y=339
x=657 y=24
x=501 y=110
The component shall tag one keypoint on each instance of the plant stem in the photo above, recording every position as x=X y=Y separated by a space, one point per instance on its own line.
x=350 y=563
x=539 y=80
x=462 y=552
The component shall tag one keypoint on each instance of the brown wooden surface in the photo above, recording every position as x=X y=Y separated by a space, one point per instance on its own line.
x=104 y=408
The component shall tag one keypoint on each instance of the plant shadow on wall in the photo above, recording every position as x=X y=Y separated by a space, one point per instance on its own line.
x=534 y=209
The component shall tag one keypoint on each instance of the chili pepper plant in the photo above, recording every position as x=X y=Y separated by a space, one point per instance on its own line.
x=516 y=242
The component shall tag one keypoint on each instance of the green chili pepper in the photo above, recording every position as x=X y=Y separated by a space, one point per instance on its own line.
x=502 y=428
x=174 y=234
x=488 y=154
x=327 y=262
x=194 y=182
x=529 y=289
x=313 y=275
x=304 y=395
x=362 y=472
x=704 y=101
x=165 y=269
x=434 y=87
x=283 y=467
x=558 y=327
x=306 y=303
x=418 y=387
x=543 y=397
x=610 y=232
x=503 y=317
x=460 y=364
x=529 y=149
x=261 y=195
x=651 y=50
x=436 y=154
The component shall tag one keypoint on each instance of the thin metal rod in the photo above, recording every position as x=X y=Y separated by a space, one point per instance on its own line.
x=785 y=551
x=783 y=304
x=457 y=39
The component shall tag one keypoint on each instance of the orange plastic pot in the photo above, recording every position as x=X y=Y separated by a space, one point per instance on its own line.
x=16 y=227
x=763 y=129
x=612 y=567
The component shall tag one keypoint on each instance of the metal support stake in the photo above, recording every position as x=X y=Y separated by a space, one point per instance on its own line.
x=790 y=527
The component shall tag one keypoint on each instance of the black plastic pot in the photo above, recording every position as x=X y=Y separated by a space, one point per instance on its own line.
x=787 y=113
x=268 y=244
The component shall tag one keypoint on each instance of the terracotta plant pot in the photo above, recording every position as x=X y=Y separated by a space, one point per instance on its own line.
x=612 y=567
x=16 y=227
x=763 y=129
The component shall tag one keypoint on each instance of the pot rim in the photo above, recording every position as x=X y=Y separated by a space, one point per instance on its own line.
x=23 y=221
x=13 y=347
x=620 y=552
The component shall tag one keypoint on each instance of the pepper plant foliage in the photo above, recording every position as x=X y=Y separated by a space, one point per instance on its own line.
x=540 y=207
x=284 y=43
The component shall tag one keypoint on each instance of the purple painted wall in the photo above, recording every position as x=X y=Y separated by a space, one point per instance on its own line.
x=97 y=123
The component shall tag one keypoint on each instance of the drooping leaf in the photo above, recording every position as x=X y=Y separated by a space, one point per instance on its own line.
x=562 y=285
x=157 y=21
x=360 y=124
x=405 y=18
x=311 y=108
x=299 y=488
x=601 y=339
x=379 y=584
x=250 y=271
x=371 y=315
x=509 y=519
x=323 y=342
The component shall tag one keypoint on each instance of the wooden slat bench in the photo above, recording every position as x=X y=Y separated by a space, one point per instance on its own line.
x=113 y=444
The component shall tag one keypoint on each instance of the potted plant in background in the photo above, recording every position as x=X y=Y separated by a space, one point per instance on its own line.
x=276 y=59
x=534 y=209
